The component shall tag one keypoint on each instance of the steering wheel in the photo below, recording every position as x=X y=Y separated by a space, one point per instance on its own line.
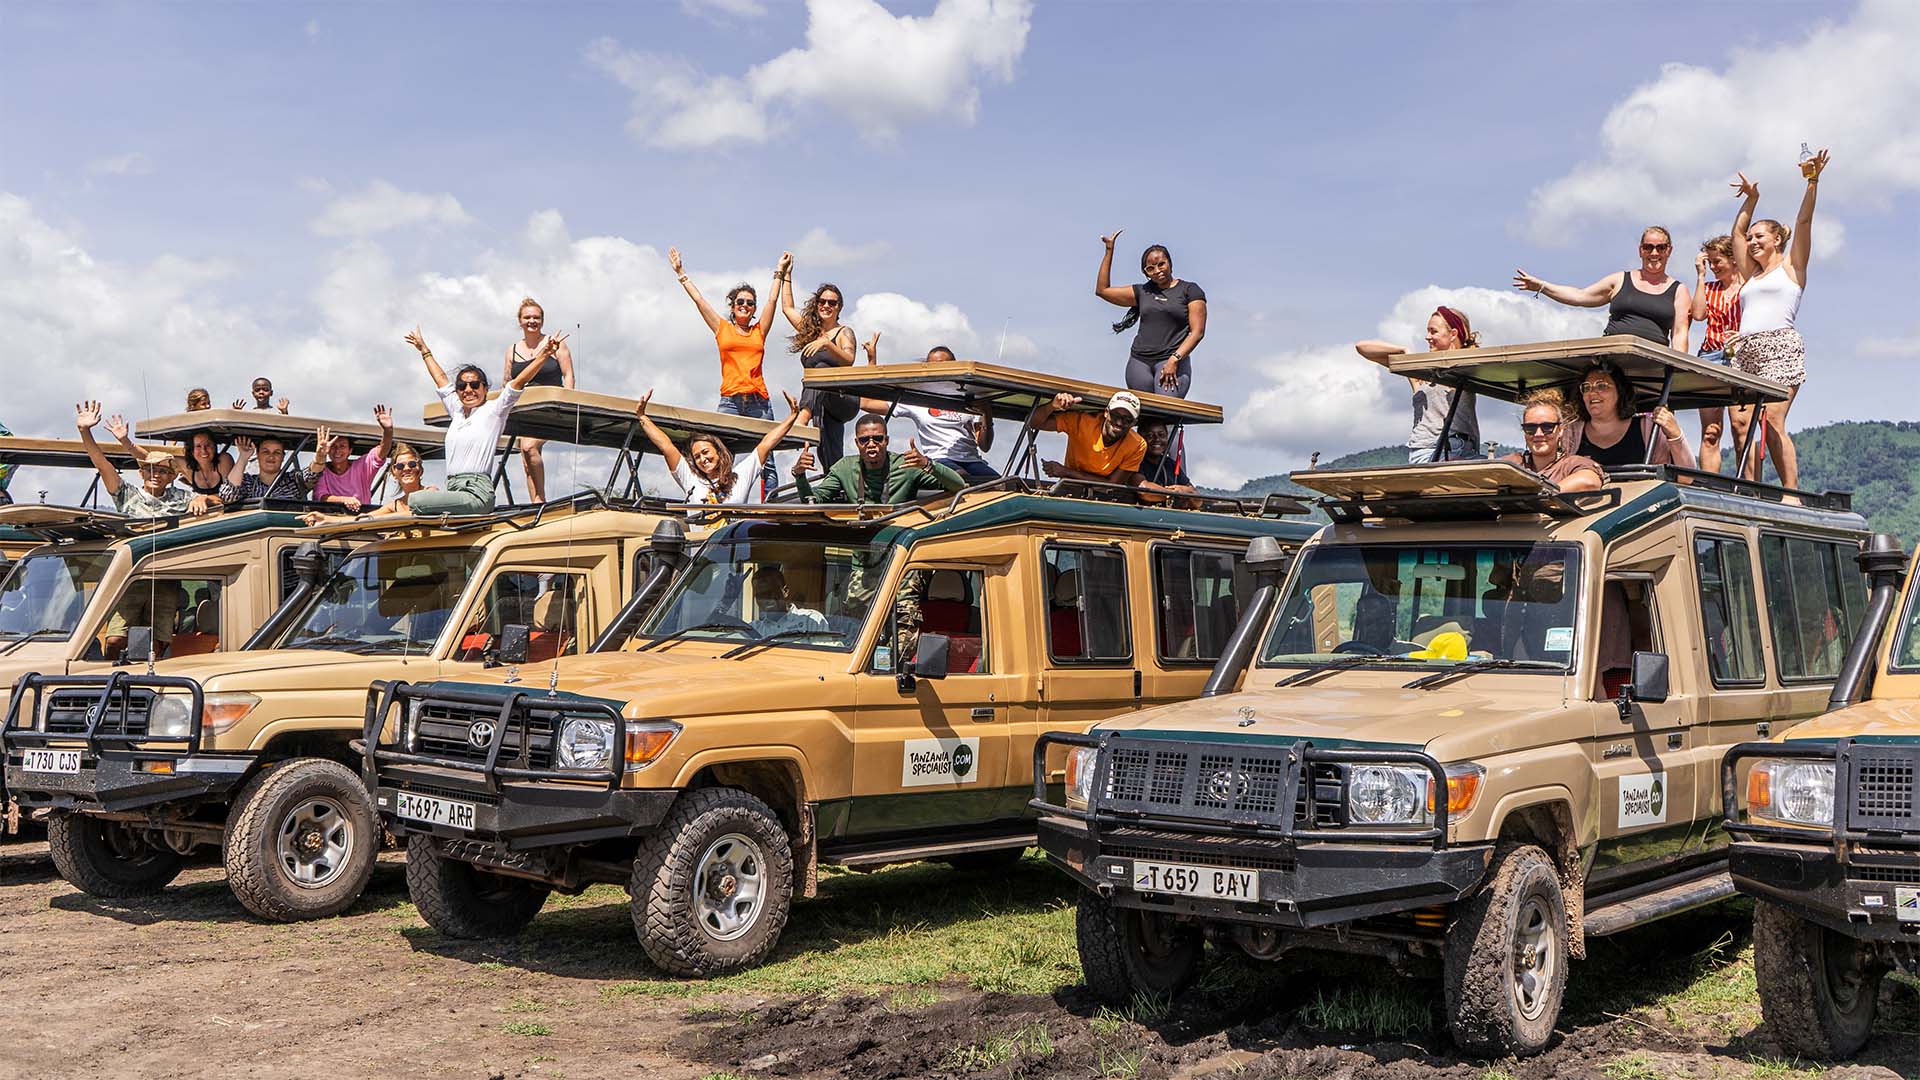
x=1357 y=646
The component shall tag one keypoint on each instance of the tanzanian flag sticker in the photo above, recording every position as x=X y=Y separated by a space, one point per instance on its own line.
x=1906 y=905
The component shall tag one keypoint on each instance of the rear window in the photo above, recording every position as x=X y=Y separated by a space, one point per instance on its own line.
x=1086 y=604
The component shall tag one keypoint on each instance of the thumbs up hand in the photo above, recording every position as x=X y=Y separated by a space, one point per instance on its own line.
x=913 y=458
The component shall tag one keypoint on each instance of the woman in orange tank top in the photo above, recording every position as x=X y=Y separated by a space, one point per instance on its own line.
x=743 y=348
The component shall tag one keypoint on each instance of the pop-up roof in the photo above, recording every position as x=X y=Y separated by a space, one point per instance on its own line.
x=298 y=431
x=1012 y=393
x=74 y=522
x=1447 y=490
x=582 y=418
x=68 y=453
x=1510 y=372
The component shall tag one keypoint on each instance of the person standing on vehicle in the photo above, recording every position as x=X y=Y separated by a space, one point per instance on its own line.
x=155 y=496
x=874 y=475
x=551 y=367
x=1447 y=329
x=821 y=341
x=743 y=350
x=953 y=437
x=474 y=425
x=1540 y=427
x=1716 y=303
x=262 y=390
x=1171 y=313
x=1646 y=303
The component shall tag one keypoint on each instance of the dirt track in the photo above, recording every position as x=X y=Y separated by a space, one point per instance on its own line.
x=186 y=984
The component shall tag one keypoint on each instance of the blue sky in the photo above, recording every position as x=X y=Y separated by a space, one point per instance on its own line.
x=199 y=192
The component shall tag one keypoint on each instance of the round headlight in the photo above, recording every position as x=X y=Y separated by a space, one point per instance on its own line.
x=170 y=716
x=584 y=744
x=1385 y=795
x=1081 y=763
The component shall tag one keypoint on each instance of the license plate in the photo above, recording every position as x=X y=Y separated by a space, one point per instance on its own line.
x=53 y=761
x=433 y=811
x=1213 y=882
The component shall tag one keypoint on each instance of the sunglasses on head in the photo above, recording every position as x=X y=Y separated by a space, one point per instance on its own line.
x=1543 y=427
x=864 y=440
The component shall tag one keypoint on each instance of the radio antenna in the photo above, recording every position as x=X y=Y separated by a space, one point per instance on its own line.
x=1003 y=339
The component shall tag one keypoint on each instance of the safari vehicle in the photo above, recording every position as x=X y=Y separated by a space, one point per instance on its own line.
x=258 y=759
x=1830 y=839
x=1478 y=725
x=23 y=452
x=858 y=685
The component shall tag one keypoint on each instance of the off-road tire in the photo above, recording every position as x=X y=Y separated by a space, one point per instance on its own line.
x=1482 y=951
x=1125 y=952
x=666 y=896
x=86 y=857
x=999 y=860
x=264 y=807
x=463 y=901
x=1808 y=1014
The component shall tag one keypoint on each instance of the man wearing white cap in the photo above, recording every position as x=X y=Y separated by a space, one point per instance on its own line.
x=1101 y=447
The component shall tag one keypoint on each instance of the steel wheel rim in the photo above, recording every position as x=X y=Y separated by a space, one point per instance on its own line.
x=1535 y=957
x=729 y=886
x=314 y=842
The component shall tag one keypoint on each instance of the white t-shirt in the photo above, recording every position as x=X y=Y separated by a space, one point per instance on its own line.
x=746 y=481
x=943 y=434
x=472 y=437
x=794 y=618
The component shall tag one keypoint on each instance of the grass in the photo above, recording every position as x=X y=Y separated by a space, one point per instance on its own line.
x=1638 y=1065
x=525 y=1005
x=526 y=1027
x=1382 y=1011
x=1119 y=1064
x=914 y=997
x=723 y=1076
x=1027 y=1044
x=1764 y=1068
x=1496 y=1074
x=1663 y=971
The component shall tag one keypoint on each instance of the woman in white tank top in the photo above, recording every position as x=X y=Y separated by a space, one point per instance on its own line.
x=1773 y=259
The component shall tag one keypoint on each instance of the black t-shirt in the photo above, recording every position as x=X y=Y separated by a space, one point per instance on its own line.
x=1164 y=469
x=1163 y=317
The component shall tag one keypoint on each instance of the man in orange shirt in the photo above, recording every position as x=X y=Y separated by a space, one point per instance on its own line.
x=1102 y=447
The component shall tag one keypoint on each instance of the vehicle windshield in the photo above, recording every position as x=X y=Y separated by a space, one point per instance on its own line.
x=1438 y=604
x=383 y=602
x=45 y=595
x=812 y=585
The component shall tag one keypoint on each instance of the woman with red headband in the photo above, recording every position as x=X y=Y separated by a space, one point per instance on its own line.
x=1447 y=329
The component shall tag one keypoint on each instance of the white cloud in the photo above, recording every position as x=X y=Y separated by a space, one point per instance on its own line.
x=908 y=328
x=720 y=10
x=818 y=248
x=1670 y=147
x=881 y=71
x=134 y=163
x=382 y=206
x=1903 y=347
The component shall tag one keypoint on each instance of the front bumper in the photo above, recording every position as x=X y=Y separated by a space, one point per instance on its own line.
x=1306 y=877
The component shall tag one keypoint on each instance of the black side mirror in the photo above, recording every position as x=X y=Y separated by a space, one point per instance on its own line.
x=1648 y=682
x=139 y=645
x=929 y=661
x=514 y=641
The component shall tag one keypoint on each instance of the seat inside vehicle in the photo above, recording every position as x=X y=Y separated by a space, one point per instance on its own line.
x=949 y=610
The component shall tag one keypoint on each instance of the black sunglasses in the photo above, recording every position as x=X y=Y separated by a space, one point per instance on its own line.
x=746 y=301
x=865 y=439
x=1545 y=427
x=1655 y=247
x=409 y=466
x=469 y=384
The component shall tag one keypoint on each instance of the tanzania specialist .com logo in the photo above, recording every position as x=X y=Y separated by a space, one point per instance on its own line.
x=1658 y=797
x=962 y=759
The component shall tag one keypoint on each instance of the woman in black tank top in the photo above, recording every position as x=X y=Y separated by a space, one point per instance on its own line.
x=1646 y=303
x=556 y=370
x=205 y=467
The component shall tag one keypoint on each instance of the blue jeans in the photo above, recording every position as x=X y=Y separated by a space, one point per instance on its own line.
x=758 y=407
x=1717 y=356
x=1459 y=448
x=973 y=470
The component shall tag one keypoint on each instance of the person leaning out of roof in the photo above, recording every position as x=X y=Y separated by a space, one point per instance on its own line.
x=1541 y=429
x=1611 y=433
x=408 y=470
x=1646 y=302
x=156 y=496
x=707 y=472
x=874 y=474
x=1447 y=329
x=1101 y=447
x=474 y=425
x=338 y=476
x=952 y=437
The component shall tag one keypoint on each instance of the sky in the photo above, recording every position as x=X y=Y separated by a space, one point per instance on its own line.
x=193 y=194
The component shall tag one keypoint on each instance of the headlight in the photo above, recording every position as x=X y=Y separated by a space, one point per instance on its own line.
x=585 y=744
x=411 y=729
x=170 y=716
x=1082 y=761
x=1800 y=792
x=647 y=740
x=1387 y=795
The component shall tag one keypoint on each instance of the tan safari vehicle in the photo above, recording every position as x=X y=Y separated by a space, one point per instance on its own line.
x=1481 y=723
x=258 y=760
x=1830 y=838
x=850 y=684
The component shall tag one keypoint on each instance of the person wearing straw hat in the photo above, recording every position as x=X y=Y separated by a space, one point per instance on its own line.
x=155 y=496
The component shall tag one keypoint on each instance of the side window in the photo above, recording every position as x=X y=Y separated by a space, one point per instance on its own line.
x=1086 y=594
x=942 y=601
x=1629 y=623
x=549 y=603
x=287 y=580
x=1728 y=615
x=642 y=563
x=1199 y=592
x=183 y=612
x=1814 y=600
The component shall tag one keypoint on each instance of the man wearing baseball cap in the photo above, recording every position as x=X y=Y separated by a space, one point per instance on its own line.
x=155 y=496
x=1102 y=447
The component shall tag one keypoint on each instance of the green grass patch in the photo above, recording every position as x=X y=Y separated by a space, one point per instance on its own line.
x=723 y=1076
x=1028 y=1044
x=1765 y=1068
x=1106 y=1022
x=526 y=1027
x=525 y=1005
x=1638 y=1065
x=913 y=997
x=1119 y=1064
x=1496 y=1074
x=1373 y=1009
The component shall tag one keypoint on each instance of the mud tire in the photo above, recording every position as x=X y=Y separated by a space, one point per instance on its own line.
x=463 y=901
x=321 y=802
x=1494 y=1009
x=680 y=923
x=1797 y=962
x=1125 y=952
x=85 y=853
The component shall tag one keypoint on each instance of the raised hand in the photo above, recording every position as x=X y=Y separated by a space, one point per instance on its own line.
x=640 y=407
x=1111 y=237
x=282 y=405
x=673 y=260
x=1814 y=166
x=322 y=442
x=793 y=403
x=785 y=265
x=383 y=416
x=117 y=426
x=803 y=463
x=86 y=415
x=1527 y=282
x=242 y=449
x=417 y=341
x=872 y=345
x=239 y=403
x=1063 y=402
x=913 y=458
x=1700 y=264
x=1745 y=188
x=551 y=345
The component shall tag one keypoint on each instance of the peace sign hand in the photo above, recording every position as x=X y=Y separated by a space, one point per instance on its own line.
x=872 y=345
x=552 y=345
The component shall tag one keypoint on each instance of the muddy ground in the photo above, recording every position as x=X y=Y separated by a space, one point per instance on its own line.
x=186 y=984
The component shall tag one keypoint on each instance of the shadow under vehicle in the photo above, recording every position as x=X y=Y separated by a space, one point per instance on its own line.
x=849 y=684
x=1478 y=725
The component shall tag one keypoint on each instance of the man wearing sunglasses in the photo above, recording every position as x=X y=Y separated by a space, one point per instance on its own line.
x=874 y=474
x=1540 y=428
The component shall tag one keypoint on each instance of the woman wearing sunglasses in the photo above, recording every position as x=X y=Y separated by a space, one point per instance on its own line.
x=551 y=367
x=1540 y=429
x=743 y=347
x=707 y=472
x=408 y=471
x=821 y=341
x=1646 y=303
x=474 y=425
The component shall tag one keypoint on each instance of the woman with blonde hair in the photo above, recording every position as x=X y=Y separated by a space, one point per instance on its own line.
x=1647 y=302
x=821 y=341
x=555 y=369
x=1543 y=429
x=1447 y=329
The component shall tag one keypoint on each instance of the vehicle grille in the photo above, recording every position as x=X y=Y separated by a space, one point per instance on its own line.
x=1881 y=787
x=1218 y=783
x=443 y=731
x=1158 y=845
x=1893 y=875
x=126 y=713
x=482 y=798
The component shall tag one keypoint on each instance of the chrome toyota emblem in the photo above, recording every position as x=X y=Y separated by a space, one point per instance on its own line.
x=1220 y=785
x=1246 y=716
x=481 y=734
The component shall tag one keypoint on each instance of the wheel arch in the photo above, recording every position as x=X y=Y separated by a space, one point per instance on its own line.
x=776 y=776
x=1544 y=816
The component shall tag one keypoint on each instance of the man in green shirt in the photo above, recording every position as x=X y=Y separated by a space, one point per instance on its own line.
x=875 y=475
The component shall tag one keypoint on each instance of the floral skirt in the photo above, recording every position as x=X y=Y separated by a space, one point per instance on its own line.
x=1779 y=355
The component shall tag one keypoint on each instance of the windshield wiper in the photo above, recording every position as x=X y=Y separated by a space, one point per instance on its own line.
x=1468 y=667
x=330 y=641
x=1345 y=663
x=731 y=624
x=24 y=638
x=810 y=631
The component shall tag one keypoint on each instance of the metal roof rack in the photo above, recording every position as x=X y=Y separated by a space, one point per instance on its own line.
x=1841 y=501
x=1470 y=507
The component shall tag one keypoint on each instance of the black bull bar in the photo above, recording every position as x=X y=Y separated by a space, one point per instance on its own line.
x=385 y=696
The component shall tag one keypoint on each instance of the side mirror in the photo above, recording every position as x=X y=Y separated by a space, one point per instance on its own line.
x=1648 y=682
x=929 y=661
x=514 y=641
x=139 y=645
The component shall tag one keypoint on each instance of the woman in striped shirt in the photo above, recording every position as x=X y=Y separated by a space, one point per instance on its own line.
x=1717 y=303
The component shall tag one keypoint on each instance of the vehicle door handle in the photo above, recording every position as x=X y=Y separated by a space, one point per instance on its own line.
x=1675 y=741
x=1761 y=729
x=985 y=716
